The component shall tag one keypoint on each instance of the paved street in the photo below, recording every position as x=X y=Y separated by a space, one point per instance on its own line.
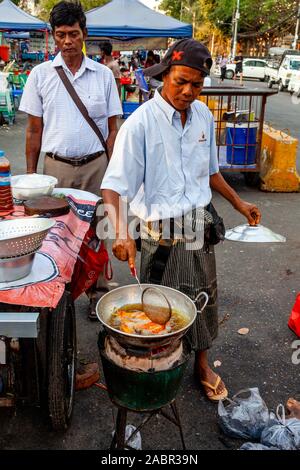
x=257 y=288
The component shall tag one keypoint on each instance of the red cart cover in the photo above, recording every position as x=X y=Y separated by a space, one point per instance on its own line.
x=63 y=243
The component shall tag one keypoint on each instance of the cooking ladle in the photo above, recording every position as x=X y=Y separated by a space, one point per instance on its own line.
x=154 y=303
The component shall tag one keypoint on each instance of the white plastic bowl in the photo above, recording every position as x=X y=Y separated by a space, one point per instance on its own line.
x=32 y=185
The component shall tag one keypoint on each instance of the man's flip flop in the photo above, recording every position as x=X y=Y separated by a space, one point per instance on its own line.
x=215 y=396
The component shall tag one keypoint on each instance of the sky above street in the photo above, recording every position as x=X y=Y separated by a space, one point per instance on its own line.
x=150 y=3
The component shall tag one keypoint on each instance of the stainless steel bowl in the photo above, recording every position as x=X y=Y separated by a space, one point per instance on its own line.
x=12 y=269
x=132 y=295
x=23 y=235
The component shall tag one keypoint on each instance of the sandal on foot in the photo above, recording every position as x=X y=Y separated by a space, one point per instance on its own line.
x=215 y=396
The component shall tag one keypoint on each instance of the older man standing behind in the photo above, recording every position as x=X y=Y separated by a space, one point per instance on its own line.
x=75 y=155
x=108 y=60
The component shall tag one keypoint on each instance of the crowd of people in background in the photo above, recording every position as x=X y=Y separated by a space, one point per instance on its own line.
x=123 y=65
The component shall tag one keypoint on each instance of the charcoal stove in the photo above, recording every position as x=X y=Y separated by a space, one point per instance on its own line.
x=143 y=380
x=143 y=373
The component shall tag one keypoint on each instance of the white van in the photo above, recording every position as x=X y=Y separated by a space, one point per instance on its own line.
x=294 y=84
x=281 y=73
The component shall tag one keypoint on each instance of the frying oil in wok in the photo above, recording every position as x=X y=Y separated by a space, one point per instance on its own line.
x=131 y=319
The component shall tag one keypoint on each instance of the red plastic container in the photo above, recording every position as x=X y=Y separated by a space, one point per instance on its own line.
x=125 y=81
x=4 y=53
x=294 y=320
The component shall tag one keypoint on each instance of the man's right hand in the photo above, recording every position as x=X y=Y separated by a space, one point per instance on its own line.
x=125 y=250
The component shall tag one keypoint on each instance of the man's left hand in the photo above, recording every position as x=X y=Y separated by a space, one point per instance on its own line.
x=250 y=211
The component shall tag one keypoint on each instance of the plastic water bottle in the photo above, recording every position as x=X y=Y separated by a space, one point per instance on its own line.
x=6 y=199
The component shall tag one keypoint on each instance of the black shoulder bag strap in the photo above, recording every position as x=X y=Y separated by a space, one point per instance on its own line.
x=70 y=89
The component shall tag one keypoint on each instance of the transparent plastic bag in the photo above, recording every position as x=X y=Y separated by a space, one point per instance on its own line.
x=256 y=446
x=244 y=417
x=135 y=442
x=285 y=434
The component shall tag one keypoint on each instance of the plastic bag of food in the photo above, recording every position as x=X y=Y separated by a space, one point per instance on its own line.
x=285 y=434
x=256 y=446
x=244 y=417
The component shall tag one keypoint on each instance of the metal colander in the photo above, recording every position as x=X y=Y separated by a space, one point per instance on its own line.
x=22 y=236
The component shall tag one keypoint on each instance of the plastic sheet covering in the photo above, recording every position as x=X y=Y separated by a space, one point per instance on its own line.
x=63 y=244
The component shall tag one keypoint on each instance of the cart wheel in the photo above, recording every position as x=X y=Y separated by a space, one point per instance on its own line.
x=62 y=362
x=252 y=179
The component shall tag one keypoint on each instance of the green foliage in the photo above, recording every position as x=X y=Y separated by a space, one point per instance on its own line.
x=47 y=5
x=171 y=7
x=255 y=15
x=181 y=9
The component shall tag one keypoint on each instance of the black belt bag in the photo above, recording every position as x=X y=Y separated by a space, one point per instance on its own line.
x=215 y=231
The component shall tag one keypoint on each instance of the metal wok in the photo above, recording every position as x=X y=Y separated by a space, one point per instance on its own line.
x=131 y=294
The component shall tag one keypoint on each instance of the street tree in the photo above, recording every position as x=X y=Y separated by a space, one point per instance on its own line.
x=45 y=6
x=255 y=15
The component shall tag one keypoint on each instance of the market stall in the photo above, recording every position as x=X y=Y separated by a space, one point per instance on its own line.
x=137 y=28
x=12 y=18
x=129 y=19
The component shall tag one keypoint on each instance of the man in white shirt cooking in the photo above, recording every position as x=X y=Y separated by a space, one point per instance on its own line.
x=74 y=153
x=165 y=163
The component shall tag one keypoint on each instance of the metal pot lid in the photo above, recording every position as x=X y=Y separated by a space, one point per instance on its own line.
x=254 y=234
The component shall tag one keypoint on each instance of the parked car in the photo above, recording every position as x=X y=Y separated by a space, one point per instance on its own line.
x=252 y=68
x=280 y=72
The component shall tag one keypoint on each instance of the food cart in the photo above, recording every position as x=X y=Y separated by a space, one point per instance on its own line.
x=239 y=118
x=37 y=319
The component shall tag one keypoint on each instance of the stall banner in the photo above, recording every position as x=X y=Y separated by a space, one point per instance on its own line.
x=93 y=44
x=63 y=243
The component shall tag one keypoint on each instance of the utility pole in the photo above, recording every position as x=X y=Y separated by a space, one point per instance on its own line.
x=235 y=31
x=294 y=45
x=212 y=44
x=181 y=9
x=194 y=23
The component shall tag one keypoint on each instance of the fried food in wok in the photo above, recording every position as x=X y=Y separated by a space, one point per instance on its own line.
x=132 y=320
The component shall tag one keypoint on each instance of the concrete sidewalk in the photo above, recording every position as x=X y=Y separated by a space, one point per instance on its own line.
x=257 y=288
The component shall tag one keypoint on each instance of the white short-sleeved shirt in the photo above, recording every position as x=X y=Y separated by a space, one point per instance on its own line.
x=65 y=131
x=161 y=167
